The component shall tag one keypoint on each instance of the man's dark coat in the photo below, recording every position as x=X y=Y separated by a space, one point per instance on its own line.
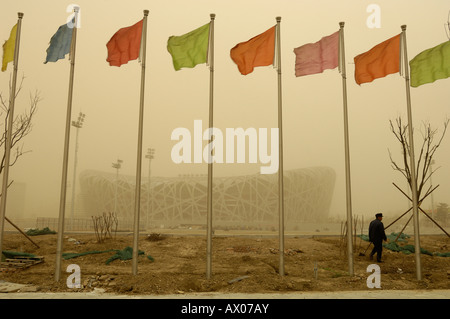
x=376 y=231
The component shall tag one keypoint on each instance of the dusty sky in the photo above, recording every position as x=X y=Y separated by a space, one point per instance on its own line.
x=312 y=105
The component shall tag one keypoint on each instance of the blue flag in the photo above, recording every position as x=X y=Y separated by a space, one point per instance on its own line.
x=59 y=44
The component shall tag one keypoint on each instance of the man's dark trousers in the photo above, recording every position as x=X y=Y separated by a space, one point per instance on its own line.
x=377 y=248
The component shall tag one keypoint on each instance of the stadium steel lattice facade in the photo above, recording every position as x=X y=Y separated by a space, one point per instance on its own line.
x=237 y=200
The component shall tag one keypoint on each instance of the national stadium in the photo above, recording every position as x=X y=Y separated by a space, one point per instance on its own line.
x=249 y=200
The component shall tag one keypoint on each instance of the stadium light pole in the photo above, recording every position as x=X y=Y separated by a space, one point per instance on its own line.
x=77 y=124
x=117 y=166
x=150 y=155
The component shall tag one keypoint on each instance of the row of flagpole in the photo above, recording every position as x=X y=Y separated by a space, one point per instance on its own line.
x=341 y=63
x=137 y=202
x=12 y=99
x=63 y=192
x=209 y=201
x=412 y=157
x=61 y=219
x=277 y=62
x=280 y=150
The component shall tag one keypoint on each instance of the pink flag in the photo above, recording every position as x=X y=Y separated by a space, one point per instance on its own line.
x=316 y=57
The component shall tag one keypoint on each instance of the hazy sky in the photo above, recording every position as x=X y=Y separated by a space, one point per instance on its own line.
x=312 y=105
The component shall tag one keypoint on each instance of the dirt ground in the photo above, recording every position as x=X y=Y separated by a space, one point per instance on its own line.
x=244 y=264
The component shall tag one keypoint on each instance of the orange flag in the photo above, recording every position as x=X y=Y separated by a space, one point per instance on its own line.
x=258 y=51
x=125 y=45
x=381 y=60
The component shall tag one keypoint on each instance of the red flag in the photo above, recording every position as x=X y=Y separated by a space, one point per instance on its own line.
x=125 y=45
x=383 y=59
x=258 y=51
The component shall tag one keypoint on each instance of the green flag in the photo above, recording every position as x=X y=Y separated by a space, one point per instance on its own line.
x=431 y=65
x=189 y=49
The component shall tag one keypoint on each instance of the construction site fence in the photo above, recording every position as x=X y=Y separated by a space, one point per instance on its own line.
x=82 y=224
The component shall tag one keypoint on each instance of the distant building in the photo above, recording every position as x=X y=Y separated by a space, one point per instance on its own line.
x=237 y=200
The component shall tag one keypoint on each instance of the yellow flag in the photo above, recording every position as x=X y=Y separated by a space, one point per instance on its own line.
x=8 y=48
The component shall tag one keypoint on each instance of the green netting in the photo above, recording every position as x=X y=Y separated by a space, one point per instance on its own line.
x=402 y=238
x=443 y=254
x=392 y=246
x=406 y=249
x=75 y=255
x=12 y=254
x=36 y=232
x=124 y=254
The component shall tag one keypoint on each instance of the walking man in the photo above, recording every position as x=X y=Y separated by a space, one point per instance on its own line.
x=376 y=236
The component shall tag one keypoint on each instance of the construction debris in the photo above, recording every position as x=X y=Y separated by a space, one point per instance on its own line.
x=155 y=237
x=243 y=249
x=16 y=260
x=6 y=287
x=289 y=252
x=232 y=281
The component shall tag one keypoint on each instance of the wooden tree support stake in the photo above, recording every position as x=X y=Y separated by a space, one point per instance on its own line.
x=7 y=219
x=420 y=202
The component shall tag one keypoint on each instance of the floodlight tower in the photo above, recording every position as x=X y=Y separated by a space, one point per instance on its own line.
x=150 y=155
x=117 y=166
x=77 y=124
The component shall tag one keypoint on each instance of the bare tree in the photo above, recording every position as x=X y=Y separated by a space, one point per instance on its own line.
x=22 y=125
x=427 y=151
x=104 y=225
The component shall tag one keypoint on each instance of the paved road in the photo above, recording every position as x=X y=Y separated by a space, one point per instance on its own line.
x=366 y=294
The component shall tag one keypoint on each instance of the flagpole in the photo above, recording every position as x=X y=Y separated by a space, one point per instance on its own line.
x=139 y=151
x=62 y=201
x=347 y=152
x=280 y=154
x=12 y=100
x=412 y=159
x=210 y=164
